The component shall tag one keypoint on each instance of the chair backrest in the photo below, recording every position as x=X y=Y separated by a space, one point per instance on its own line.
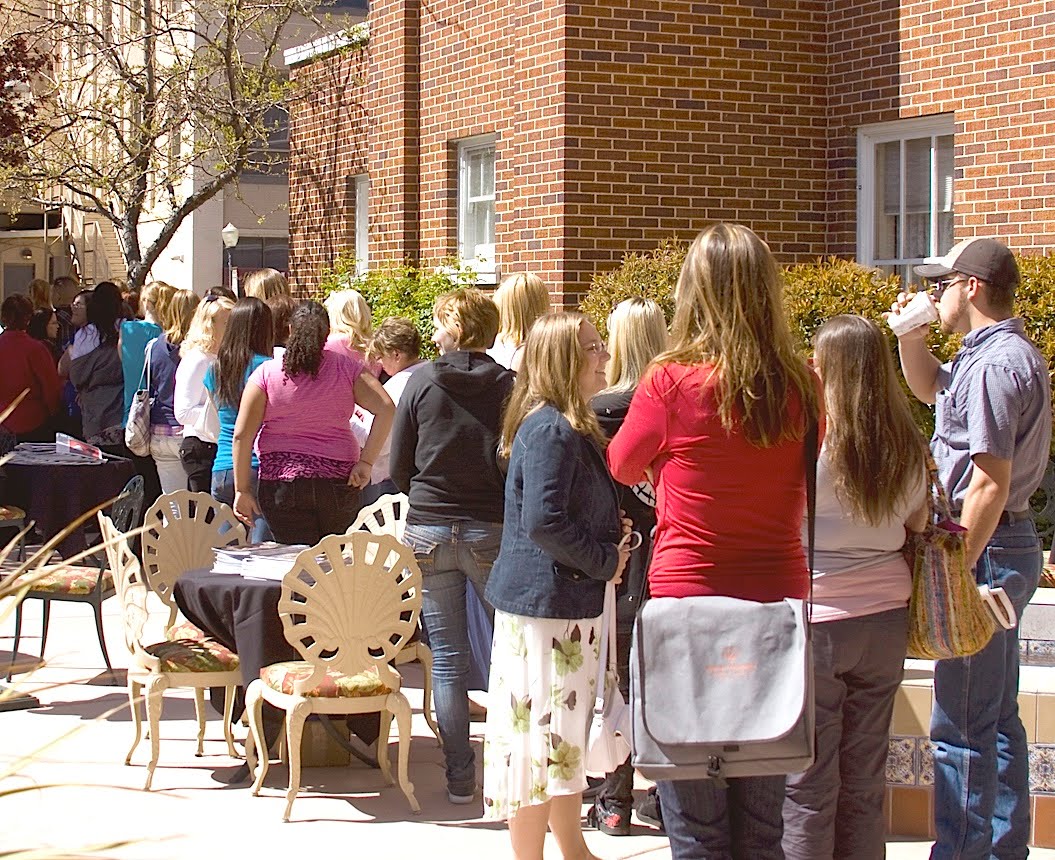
x=350 y=604
x=181 y=529
x=125 y=512
x=386 y=516
x=129 y=584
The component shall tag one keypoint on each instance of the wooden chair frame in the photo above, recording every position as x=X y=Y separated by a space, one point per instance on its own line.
x=348 y=606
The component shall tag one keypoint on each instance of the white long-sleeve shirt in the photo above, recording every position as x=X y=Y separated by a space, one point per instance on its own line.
x=191 y=401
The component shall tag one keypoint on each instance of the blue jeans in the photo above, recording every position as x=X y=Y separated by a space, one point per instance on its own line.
x=981 y=760
x=449 y=556
x=707 y=822
x=223 y=491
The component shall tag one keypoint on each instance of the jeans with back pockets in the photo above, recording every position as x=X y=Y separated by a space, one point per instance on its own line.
x=450 y=556
x=981 y=759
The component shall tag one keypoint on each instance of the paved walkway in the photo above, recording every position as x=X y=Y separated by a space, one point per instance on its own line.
x=84 y=795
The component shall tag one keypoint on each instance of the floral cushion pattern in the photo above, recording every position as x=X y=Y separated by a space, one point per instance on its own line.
x=194 y=655
x=280 y=676
x=186 y=630
x=9 y=512
x=77 y=579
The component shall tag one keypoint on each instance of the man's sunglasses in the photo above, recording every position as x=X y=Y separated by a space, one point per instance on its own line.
x=942 y=284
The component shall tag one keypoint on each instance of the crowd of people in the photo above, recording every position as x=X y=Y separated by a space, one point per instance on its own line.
x=531 y=448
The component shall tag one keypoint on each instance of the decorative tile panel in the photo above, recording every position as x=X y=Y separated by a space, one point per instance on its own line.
x=901 y=761
x=925 y=774
x=1041 y=769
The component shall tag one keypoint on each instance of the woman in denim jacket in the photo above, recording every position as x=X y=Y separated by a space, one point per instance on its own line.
x=560 y=544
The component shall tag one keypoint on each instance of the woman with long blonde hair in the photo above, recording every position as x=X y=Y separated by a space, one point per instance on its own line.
x=871 y=487
x=264 y=283
x=561 y=542
x=720 y=422
x=521 y=299
x=190 y=404
x=637 y=333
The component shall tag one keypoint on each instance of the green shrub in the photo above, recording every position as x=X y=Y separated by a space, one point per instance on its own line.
x=398 y=290
x=652 y=276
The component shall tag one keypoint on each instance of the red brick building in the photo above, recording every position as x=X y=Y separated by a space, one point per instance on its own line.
x=554 y=136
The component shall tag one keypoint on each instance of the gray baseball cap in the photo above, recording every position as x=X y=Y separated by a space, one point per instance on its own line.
x=987 y=259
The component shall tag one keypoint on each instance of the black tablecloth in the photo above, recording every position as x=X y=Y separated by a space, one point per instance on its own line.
x=243 y=615
x=54 y=494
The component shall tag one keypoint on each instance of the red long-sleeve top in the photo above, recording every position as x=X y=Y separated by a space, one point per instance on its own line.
x=728 y=513
x=27 y=363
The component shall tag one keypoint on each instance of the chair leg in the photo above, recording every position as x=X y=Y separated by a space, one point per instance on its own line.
x=381 y=751
x=254 y=709
x=44 y=621
x=199 y=712
x=228 y=712
x=425 y=658
x=135 y=691
x=401 y=709
x=18 y=635
x=295 y=718
x=98 y=607
x=155 y=687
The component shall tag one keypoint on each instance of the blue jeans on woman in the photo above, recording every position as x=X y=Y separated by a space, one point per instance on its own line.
x=981 y=759
x=449 y=556
x=705 y=821
x=223 y=491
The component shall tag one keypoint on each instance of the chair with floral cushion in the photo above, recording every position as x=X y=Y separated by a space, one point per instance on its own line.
x=181 y=529
x=348 y=607
x=14 y=518
x=388 y=516
x=83 y=583
x=195 y=663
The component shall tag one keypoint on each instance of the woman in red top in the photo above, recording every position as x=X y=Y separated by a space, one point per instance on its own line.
x=720 y=422
x=27 y=364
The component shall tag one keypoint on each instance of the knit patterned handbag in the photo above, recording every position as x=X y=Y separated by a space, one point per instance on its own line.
x=947 y=616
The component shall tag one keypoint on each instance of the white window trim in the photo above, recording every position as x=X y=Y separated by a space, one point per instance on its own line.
x=362 y=223
x=868 y=139
x=486 y=272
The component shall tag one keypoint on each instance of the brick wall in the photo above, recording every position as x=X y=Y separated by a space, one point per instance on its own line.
x=621 y=122
x=328 y=143
x=990 y=64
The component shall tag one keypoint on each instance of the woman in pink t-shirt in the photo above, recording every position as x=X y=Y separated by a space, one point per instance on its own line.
x=871 y=486
x=311 y=466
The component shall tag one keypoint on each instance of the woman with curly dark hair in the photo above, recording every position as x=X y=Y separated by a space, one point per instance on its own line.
x=311 y=467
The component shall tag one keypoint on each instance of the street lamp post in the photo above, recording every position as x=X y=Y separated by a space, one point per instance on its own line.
x=229 y=235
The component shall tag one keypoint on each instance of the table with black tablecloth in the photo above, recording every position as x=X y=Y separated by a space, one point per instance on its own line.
x=54 y=488
x=242 y=614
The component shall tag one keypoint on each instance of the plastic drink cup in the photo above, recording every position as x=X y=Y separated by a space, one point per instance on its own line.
x=919 y=311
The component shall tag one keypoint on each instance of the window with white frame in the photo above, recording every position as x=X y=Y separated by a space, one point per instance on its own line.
x=905 y=193
x=361 y=190
x=476 y=205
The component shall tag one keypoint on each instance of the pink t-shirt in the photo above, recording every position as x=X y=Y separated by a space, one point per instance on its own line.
x=309 y=416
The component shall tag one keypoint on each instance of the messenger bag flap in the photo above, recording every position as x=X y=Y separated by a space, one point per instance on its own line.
x=746 y=669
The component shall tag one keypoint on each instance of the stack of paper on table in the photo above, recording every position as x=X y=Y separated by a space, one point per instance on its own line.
x=267 y=560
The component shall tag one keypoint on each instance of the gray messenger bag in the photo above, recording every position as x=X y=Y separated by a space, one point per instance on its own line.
x=722 y=687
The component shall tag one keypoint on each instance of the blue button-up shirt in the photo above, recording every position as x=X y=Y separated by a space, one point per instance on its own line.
x=994 y=398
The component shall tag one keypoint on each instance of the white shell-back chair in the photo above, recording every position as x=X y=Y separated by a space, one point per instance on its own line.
x=388 y=516
x=348 y=607
x=199 y=664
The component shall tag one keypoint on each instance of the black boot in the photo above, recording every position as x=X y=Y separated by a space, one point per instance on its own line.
x=609 y=818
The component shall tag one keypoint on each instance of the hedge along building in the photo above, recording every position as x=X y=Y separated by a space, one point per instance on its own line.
x=554 y=137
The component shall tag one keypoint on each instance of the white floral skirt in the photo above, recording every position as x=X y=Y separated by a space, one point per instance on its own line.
x=540 y=700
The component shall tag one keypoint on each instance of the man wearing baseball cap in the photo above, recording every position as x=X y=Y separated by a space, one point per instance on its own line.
x=991 y=443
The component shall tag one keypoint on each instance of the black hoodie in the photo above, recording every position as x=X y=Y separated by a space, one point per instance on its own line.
x=445 y=439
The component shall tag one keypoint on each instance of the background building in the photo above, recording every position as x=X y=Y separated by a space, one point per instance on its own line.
x=555 y=137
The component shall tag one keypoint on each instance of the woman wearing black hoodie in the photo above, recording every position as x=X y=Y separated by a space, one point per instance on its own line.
x=444 y=456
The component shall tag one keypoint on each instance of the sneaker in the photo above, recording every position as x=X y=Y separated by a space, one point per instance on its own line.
x=610 y=820
x=461 y=799
x=649 y=811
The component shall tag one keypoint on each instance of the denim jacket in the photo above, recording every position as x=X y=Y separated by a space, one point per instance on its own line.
x=561 y=524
